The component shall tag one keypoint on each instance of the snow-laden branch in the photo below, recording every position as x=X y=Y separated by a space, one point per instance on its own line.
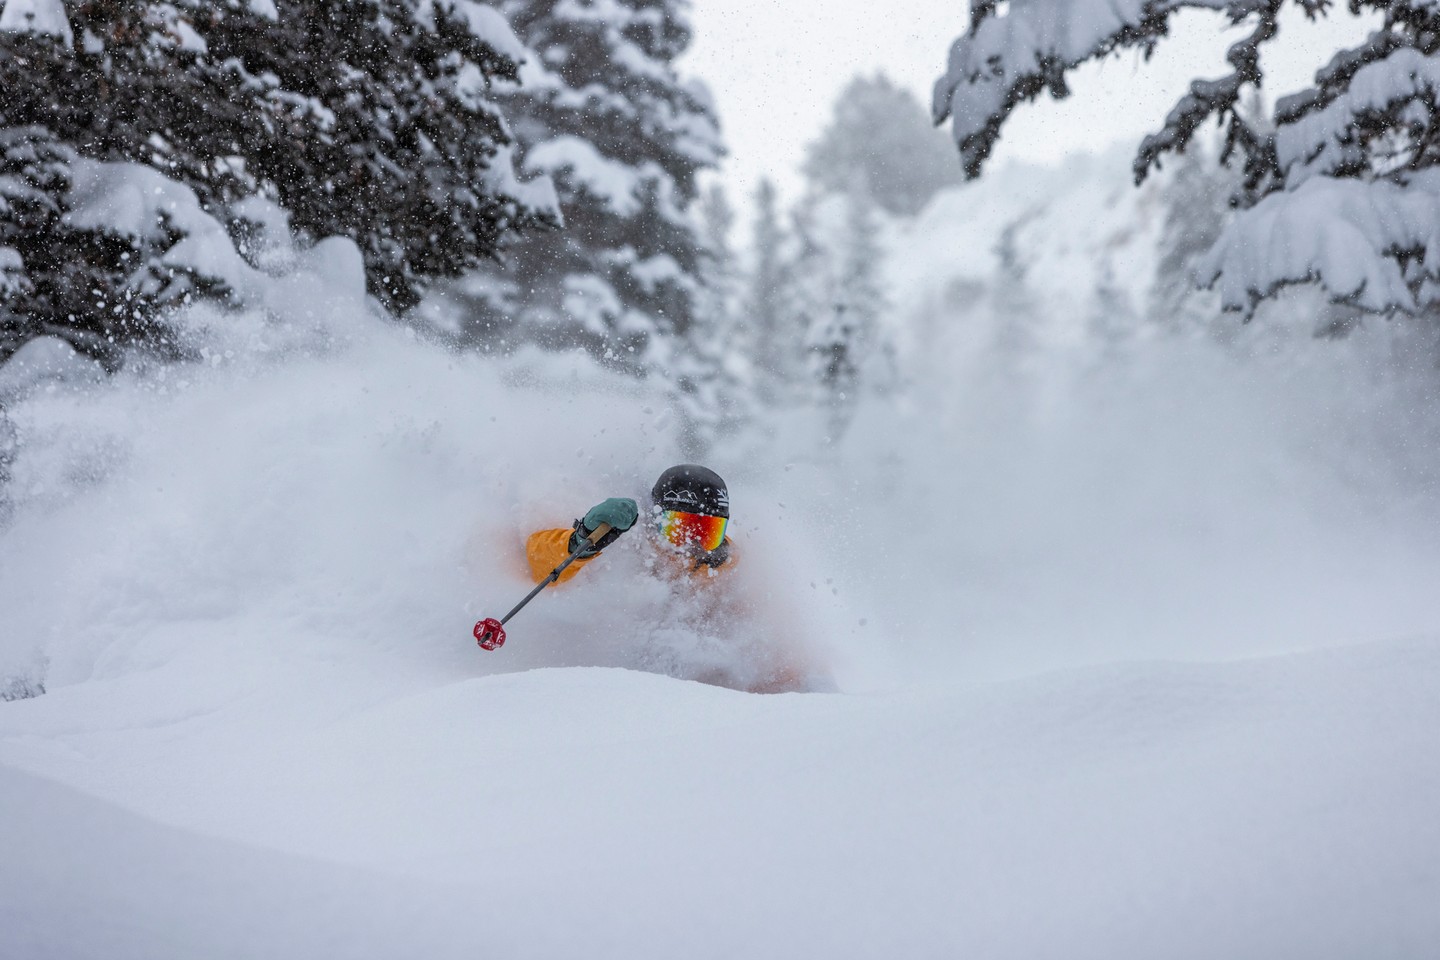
x=1342 y=192
x=1007 y=59
x=46 y=17
x=1374 y=244
x=1331 y=140
x=483 y=22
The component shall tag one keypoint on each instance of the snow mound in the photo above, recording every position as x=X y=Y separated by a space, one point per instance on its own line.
x=1266 y=808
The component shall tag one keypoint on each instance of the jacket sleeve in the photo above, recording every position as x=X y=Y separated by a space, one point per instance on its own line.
x=547 y=549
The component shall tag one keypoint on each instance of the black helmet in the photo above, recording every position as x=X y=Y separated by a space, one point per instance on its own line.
x=693 y=489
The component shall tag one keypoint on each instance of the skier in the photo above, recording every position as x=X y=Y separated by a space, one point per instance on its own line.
x=690 y=510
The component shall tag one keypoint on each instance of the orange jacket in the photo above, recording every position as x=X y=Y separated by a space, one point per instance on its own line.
x=547 y=549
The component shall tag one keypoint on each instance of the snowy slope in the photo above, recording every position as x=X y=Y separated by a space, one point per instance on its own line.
x=245 y=587
x=85 y=878
x=1256 y=809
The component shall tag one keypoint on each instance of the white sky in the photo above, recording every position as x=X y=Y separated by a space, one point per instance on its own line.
x=775 y=67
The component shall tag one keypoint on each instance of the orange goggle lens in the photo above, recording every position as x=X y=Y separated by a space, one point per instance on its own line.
x=684 y=529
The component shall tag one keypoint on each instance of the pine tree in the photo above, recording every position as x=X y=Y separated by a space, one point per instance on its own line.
x=880 y=143
x=845 y=344
x=9 y=444
x=1344 y=191
x=1113 y=321
x=1195 y=197
x=376 y=120
x=765 y=297
x=809 y=296
x=863 y=288
x=604 y=113
x=96 y=287
x=718 y=272
x=1015 y=312
x=370 y=119
x=709 y=377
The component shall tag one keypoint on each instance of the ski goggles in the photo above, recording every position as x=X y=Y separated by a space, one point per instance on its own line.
x=700 y=529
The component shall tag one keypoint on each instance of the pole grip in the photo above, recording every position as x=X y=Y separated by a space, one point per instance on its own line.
x=599 y=532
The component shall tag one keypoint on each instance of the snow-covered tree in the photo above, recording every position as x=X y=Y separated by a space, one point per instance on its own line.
x=97 y=285
x=371 y=119
x=719 y=272
x=807 y=274
x=1195 y=195
x=1345 y=192
x=603 y=111
x=1113 y=320
x=769 y=327
x=411 y=155
x=709 y=373
x=1015 y=308
x=844 y=341
x=9 y=443
x=880 y=142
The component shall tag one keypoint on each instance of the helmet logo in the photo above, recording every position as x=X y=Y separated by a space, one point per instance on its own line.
x=685 y=497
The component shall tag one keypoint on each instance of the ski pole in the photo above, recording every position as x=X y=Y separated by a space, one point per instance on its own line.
x=490 y=633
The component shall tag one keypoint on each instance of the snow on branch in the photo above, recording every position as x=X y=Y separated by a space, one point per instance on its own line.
x=1374 y=244
x=1218 y=98
x=1332 y=79
x=1013 y=54
x=1005 y=60
x=37 y=16
x=12 y=272
x=484 y=23
x=618 y=184
x=1344 y=192
x=1332 y=140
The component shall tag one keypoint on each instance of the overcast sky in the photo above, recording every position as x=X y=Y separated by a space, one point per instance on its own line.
x=776 y=66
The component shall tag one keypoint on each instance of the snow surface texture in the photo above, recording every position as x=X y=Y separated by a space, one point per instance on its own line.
x=251 y=721
x=1279 y=808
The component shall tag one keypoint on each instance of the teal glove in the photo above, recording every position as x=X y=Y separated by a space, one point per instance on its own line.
x=620 y=512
